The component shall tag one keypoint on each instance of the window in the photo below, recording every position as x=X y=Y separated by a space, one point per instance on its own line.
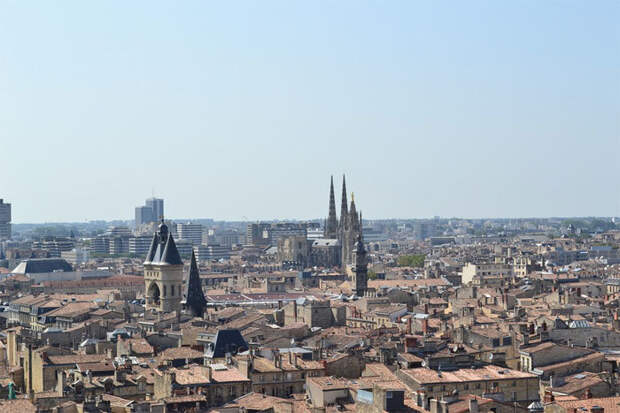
x=466 y=386
x=164 y=290
x=172 y=290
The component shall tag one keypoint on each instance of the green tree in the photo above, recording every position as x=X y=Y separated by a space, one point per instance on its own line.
x=415 y=260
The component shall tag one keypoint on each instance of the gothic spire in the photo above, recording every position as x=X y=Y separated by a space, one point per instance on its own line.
x=344 y=211
x=331 y=227
x=194 y=298
x=354 y=222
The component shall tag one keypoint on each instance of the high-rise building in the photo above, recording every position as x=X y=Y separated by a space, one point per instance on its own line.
x=139 y=246
x=157 y=206
x=190 y=232
x=258 y=234
x=151 y=211
x=144 y=215
x=5 y=220
x=206 y=253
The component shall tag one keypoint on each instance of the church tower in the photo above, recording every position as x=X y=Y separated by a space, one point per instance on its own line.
x=195 y=299
x=163 y=273
x=344 y=212
x=331 y=226
x=360 y=276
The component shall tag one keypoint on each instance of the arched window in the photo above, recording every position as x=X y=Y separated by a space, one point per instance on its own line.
x=164 y=290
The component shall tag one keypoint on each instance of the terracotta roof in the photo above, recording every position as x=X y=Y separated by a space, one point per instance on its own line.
x=610 y=404
x=175 y=353
x=72 y=309
x=256 y=401
x=423 y=375
x=76 y=358
x=17 y=406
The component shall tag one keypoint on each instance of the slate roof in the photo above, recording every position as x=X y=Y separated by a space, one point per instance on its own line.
x=42 y=265
x=226 y=341
x=163 y=250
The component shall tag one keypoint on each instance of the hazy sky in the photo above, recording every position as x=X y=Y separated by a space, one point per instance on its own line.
x=235 y=110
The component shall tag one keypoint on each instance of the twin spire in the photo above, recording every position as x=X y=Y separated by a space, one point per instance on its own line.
x=349 y=219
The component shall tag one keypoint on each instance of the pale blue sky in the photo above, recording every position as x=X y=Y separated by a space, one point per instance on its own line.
x=243 y=109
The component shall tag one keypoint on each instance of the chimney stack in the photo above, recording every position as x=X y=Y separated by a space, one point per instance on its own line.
x=473 y=405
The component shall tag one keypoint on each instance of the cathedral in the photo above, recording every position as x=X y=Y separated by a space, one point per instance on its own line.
x=163 y=277
x=348 y=232
x=348 y=229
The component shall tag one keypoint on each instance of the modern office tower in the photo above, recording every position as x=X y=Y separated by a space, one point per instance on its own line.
x=100 y=245
x=211 y=252
x=190 y=232
x=151 y=211
x=144 y=215
x=157 y=206
x=55 y=246
x=139 y=246
x=5 y=220
x=77 y=256
x=286 y=229
x=257 y=234
x=184 y=247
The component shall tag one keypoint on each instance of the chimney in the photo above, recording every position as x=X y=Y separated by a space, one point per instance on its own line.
x=587 y=394
x=473 y=405
x=548 y=397
x=295 y=309
x=409 y=321
x=425 y=326
x=209 y=374
x=426 y=308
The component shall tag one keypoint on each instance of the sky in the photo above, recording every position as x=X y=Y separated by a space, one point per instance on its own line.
x=243 y=110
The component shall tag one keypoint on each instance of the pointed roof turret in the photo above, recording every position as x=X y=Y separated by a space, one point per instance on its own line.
x=151 y=254
x=194 y=297
x=331 y=227
x=171 y=254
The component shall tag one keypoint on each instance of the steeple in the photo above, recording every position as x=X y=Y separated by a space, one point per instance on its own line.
x=331 y=227
x=344 y=211
x=361 y=267
x=354 y=222
x=195 y=300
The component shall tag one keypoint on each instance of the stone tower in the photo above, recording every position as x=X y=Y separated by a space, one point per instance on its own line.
x=195 y=300
x=331 y=226
x=360 y=276
x=163 y=273
x=351 y=230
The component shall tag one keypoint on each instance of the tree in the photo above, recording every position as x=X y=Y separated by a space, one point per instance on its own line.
x=415 y=260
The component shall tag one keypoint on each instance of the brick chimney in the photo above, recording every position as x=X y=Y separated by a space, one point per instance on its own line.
x=549 y=398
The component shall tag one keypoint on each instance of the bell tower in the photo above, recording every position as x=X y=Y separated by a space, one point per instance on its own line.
x=163 y=273
x=360 y=276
